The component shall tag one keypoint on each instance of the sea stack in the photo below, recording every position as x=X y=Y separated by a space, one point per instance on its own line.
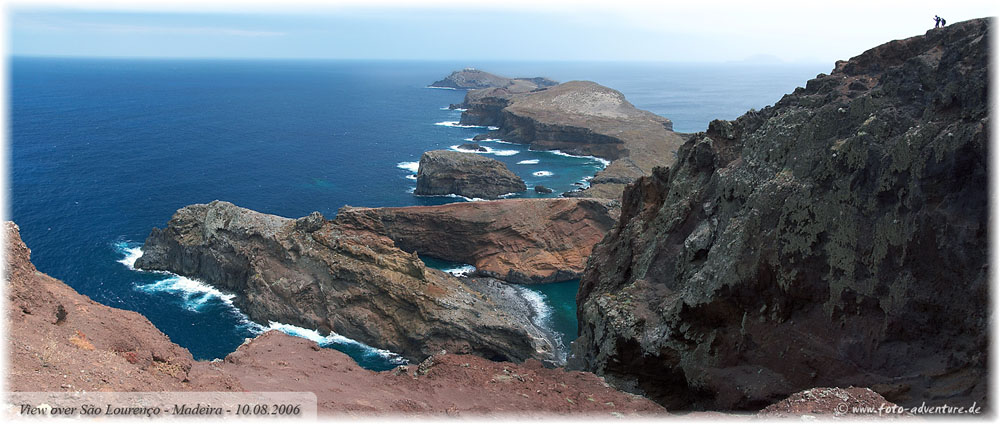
x=444 y=172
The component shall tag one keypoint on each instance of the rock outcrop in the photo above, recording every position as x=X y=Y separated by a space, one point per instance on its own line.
x=837 y=238
x=466 y=174
x=60 y=340
x=470 y=78
x=314 y=274
x=852 y=402
x=516 y=240
x=581 y=118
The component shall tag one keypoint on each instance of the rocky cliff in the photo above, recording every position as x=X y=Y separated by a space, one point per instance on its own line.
x=314 y=274
x=581 y=118
x=517 y=240
x=466 y=174
x=470 y=78
x=60 y=340
x=836 y=238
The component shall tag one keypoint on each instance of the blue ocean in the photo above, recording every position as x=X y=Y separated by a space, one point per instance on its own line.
x=103 y=150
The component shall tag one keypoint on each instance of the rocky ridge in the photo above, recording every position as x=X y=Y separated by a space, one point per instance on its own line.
x=517 y=240
x=836 y=238
x=580 y=118
x=312 y=273
x=443 y=172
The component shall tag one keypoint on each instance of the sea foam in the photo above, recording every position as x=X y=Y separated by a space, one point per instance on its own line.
x=604 y=162
x=461 y=271
x=409 y=166
x=455 y=124
x=528 y=162
x=542 y=173
x=334 y=339
x=488 y=151
x=197 y=294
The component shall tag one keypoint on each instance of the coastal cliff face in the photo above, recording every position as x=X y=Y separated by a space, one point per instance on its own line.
x=581 y=118
x=465 y=174
x=60 y=340
x=837 y=238
x=314 y=274
x=517 y=240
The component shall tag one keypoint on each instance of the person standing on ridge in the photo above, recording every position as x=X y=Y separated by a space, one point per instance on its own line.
x=937 y=21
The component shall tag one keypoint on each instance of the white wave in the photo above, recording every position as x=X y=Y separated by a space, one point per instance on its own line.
x=492 y=128
x=411 y=189
x=542 y=174
x=409 y=166
x=411 y=177
x=528 y=162
x=455 y=124
x=504 y=142
x=508 y=195
x=333 y=339
x=195 y=293
x=132 y=254
x=452 y=195
x=538 y=304
x=461 y=271
x=458 y=109
x=487 y=150
x=604 y=162
x=441 y=88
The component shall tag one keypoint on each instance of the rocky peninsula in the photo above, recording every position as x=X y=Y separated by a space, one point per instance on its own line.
x=517 y=240
x=312 y=273
x=836 y=238
x=580 y=118
x=443 y=172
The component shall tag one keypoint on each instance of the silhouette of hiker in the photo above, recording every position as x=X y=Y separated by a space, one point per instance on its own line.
x=938 y=21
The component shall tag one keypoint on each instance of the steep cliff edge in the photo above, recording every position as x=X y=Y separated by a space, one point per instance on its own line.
x=581 y=118
x=312 y=273
x=517 y=240
x=61 y=340
x=837 y=238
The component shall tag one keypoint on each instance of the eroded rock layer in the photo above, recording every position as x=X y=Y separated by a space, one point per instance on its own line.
x=314 y=274
x=837 y=238
x=517 y=240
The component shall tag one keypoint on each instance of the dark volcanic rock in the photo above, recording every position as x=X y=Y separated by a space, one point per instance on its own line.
x=472 y=146
x=582 y=118
x=542 y=189
x=470 y=78
x=465 y=174
x=312 y=273
x=837 y=238
x=517 y=240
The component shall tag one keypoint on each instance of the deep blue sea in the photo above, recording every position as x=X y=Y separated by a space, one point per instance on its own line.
x=103 y=150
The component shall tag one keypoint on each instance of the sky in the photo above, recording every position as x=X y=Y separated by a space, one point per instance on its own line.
x=583 y=30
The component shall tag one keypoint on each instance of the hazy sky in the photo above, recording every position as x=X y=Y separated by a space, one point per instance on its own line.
x=688 y=31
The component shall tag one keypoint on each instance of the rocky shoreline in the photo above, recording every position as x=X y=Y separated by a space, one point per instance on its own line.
x=828 y=250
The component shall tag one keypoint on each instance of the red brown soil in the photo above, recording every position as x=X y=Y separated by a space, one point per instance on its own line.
x=445 y=384
x=852 y=401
